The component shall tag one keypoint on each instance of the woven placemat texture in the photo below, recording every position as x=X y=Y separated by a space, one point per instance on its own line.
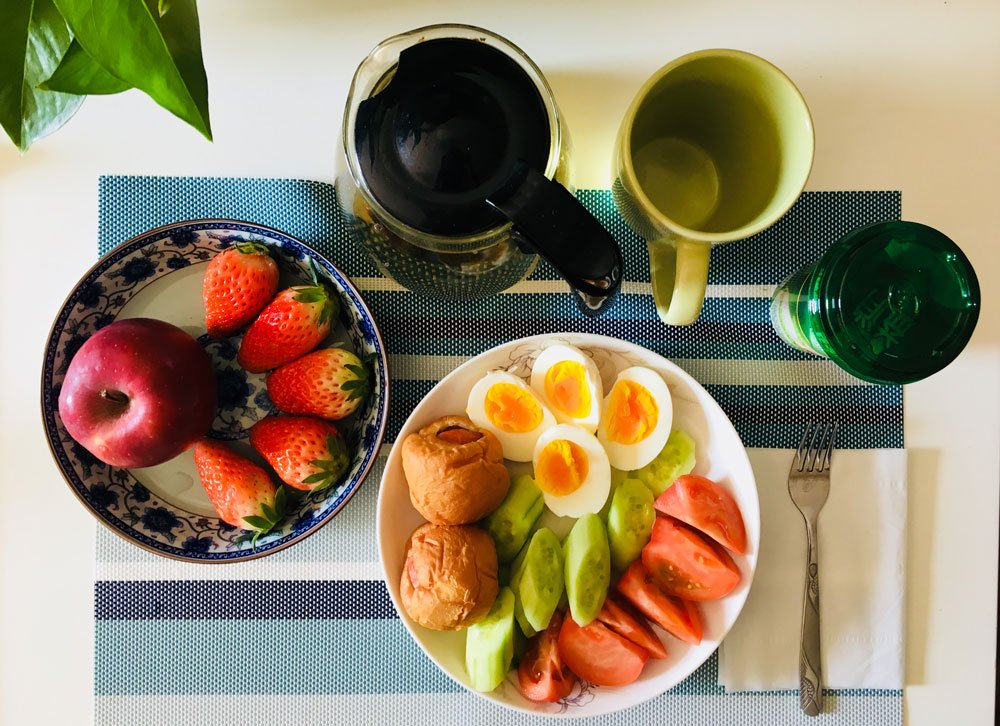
x=309 y=635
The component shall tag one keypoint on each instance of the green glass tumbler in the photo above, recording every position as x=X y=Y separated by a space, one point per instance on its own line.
x=892 y=302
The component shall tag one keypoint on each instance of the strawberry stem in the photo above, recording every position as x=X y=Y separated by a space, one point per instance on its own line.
x=360 y=386
x=319 y=294
x=251 y=248
x=331 y=308
x=313 y=271
x=270 y=516
x=330 y=470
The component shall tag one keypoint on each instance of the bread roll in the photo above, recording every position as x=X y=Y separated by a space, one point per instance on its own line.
x=455 y=471
x=449 y=578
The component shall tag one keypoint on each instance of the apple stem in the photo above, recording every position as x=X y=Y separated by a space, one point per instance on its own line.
x=116 y=396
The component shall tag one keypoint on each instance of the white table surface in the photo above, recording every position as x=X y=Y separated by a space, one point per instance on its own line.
x=905 y=96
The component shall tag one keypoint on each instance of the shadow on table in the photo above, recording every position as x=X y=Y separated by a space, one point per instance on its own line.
x=922 y=484
x=592 y=103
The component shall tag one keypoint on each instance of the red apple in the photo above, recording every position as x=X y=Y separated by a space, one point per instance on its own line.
x=138 y=393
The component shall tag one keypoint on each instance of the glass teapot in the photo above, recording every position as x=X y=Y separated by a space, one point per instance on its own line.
x=455 y=170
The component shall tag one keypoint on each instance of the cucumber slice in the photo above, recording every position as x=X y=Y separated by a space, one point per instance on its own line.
x=489 y=644
x=540 y=584
x=523 y=624
x=517 y=565
x=516 y=570
x=520 y=646
x=588 y=568
x=503 y=573
x=564 y=600
x=511 y=523
x=617 y=477
x=675 y=459
x=630 y=522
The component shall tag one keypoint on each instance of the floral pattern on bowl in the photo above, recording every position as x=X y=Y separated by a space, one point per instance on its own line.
x=158 y=274
x=243 y=398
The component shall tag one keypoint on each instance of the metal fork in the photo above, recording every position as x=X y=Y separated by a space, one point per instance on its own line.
x=809 y=486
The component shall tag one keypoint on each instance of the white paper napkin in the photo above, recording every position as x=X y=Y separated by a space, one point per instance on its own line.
x=862 y=547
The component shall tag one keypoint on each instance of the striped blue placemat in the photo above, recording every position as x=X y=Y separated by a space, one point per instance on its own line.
x=308 y=635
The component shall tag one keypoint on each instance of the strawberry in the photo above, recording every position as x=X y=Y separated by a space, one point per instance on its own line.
x=307 y=453
x=294 y=323
x=330 y=383
x=242 y=492
x=239 y=282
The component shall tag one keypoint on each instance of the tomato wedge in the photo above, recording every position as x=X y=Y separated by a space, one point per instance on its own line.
x=542 y=674
x=622 y=617
x=686 y=565
x=707 y=507
x=600 y=655
x=678 y=617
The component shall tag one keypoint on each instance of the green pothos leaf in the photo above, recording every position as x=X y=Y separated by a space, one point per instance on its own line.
x=33 y=39
x=159 y=54
x=80 y=74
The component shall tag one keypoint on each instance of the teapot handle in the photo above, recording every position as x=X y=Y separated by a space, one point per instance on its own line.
x=561 y=230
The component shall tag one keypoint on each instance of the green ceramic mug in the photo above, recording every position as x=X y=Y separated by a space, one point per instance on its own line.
x=716 y=146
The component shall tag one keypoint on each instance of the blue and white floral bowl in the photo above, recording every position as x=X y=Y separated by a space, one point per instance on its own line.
x=164 y=508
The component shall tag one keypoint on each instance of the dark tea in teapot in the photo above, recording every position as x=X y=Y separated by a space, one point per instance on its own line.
x=446 y=131
x=458 y=166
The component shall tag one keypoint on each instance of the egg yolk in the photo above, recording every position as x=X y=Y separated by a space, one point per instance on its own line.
x=566 y=386
x=562 y=466
x=511 y=408
x=631 y=412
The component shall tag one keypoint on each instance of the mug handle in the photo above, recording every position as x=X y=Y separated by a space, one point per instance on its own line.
x=560 y=229
x=678 y=269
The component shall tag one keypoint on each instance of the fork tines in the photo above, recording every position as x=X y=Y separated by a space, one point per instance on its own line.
x=815 y=447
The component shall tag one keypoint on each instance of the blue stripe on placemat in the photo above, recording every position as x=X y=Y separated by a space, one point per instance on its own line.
x=732 y=329
x=274 y=635
x=847 y=398
x=304 y=209
x=816 y=221
x=504 y=329
x=559 y=306
x=857 y=396
x=304 y=657
x=242 y=600
x=411 y=342
x=307 y=210
x=765 y=423
x=262 y=656
x=464 y=709
x=283 y=656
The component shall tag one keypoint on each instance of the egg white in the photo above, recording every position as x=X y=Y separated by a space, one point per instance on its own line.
x=594 y=488
x=516 y=446
x=556 y=354
x=635 y=456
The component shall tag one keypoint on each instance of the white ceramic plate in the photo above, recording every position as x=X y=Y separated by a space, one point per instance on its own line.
x=721 y=457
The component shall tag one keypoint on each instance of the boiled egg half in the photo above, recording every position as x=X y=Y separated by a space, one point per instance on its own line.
x=505 y=405
x=572 y=471
x=568 y=383
x=636 y=418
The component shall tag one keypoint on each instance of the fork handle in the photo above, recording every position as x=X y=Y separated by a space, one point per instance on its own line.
x=810 y=668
